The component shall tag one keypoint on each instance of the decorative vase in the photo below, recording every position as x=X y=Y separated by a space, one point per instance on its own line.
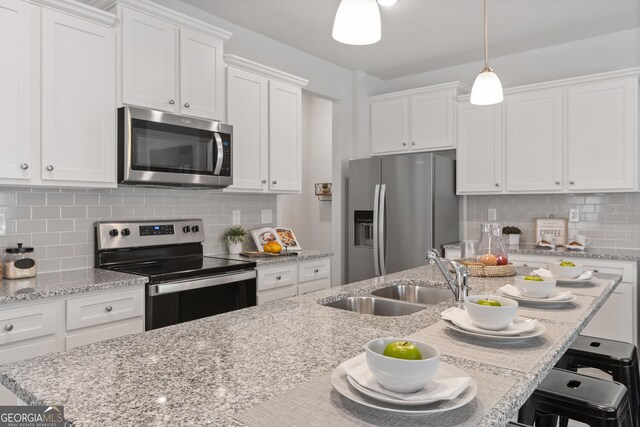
x=491 y=250
x=511 y=239
x=234 y=248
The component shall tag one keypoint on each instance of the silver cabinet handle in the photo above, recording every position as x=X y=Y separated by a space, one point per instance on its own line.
x=404 y=144
x=278 y=277
x=264 y=181
x=187 y=105
x=497 y=184
x=571 y=182
x=24 y=166
x=596 y=271
x=171 y=102
x=274 y=182
x=525 y=265
x=316 y=270
x=108 y=309
x=557 y=182
x=50 y=168
x=8 y=327
x=413 y=143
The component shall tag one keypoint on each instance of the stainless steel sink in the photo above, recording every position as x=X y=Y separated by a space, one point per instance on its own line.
x=415 y=294
x=377 y=306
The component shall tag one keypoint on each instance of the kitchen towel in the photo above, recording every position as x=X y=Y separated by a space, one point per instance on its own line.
x=316 y=404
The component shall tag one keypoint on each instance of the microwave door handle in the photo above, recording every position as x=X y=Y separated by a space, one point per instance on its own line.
x=220 y=154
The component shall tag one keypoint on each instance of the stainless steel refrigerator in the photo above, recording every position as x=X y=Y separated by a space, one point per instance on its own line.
x=399 y=208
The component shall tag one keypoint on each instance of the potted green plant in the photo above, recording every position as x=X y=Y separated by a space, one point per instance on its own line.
x=235 y=237
x=511 y=235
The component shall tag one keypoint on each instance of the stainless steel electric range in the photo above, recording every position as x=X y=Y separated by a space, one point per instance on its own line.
x=183 y=284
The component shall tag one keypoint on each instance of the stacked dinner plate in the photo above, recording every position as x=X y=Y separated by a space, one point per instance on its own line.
x=520 y=329
x=556 y=297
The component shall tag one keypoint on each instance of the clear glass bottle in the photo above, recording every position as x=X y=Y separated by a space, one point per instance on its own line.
x=491 y=250
x=19 y=263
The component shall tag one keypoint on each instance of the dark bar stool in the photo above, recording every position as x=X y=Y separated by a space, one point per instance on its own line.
x=593 y=401
x=514 y=424
x=619 y=359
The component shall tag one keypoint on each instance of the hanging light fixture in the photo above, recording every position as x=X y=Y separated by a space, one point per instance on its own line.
x=357 y=22
x=487 y=89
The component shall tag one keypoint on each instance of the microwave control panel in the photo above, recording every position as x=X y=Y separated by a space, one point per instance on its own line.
x=225 y=170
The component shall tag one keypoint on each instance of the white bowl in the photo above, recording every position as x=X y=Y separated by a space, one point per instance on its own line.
x=534 y=288
x=565 y=272
x=401 y=375
x=490 y=317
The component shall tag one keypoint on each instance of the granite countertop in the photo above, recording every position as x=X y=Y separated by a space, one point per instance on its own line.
x=208 y=371
x=589 y=252
x=47 y=285
x=303 y=255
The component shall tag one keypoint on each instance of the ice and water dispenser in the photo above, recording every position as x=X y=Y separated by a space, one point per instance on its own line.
x=363 y=226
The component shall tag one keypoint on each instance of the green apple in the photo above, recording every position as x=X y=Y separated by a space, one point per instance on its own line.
x=403 y=350
x=567 y=264
x=489 y=302
x=534 y=278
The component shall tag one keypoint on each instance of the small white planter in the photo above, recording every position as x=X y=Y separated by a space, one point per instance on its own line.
x=234 y=248
x=511 y=239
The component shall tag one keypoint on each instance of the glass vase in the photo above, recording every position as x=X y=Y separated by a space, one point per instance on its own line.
x=491 y=250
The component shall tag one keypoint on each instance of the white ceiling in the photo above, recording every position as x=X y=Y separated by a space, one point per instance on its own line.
x=424 y=35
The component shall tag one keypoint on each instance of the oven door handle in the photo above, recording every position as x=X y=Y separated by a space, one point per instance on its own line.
x=187 y=285
x=220 y=156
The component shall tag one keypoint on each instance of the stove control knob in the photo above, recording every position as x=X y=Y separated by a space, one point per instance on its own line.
x=186 y=229
x=113 y=232
x=195 y=228
x=126 y=232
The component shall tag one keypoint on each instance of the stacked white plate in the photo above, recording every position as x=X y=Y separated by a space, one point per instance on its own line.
x=556 y=298
x=450 y=388
x=520 y=329
x=584 y=278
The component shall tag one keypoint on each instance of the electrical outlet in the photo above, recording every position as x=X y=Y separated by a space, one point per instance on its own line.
x=3 y=224
x=267 y=216
x=491 y=213
x=236 y=217
x=574 y=215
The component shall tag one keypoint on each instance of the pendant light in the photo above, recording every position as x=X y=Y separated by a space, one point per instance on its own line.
x=487 y=89
x=357 y=22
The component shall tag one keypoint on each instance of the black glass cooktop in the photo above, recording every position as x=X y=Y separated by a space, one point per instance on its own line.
x=184 y=268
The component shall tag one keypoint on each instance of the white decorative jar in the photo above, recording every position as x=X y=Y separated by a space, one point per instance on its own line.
x=234 y=248
x=511 y=239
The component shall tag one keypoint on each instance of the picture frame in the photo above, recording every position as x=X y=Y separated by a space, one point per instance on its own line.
x=262 y=236
x=288 y=239
x=556 y=228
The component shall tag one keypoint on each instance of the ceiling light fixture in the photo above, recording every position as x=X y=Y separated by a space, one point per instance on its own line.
x=357 y=22
x=387 y=3
x=487 y=89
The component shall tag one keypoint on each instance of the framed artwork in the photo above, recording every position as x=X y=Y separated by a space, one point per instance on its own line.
x=553 y=230
x=262 y=236
x=288 y=239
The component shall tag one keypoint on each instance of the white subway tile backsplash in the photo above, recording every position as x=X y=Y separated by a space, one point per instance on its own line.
x=59 y=199
x=82 y=199
x=31 y=199
x=60 y=225
x=47 y=212
x=31 y=226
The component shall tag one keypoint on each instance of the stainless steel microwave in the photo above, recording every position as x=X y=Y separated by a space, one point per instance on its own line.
x=162 y=149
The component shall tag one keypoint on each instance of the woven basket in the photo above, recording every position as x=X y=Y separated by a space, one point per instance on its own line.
x=477 y=270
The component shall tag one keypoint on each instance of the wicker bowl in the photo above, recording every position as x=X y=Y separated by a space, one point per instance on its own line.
x=477 y=269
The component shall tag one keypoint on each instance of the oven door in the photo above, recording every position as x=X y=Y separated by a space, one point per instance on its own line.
x=157 y=148
x=176 y=302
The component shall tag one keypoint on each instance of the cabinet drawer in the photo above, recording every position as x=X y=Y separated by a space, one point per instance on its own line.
x=29 y=322
x=314 y=270
x=27 y=351
x=120 y=329
x=90 y=311
x=276 y=294
x=316 y=285
x=276 y=277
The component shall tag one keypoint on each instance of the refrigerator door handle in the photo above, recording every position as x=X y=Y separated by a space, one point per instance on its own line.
x=381 y=219
x=376 y=246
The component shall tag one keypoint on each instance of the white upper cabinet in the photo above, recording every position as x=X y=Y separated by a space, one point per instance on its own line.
x=264 y=106
x=15 y=86
x=479 y=156
x=533 y=140
x=421 y=119
x=170 y=61
x=149 y=64
x=602 y=151
x=78 y=100
x=285 y=137
x=248 y=113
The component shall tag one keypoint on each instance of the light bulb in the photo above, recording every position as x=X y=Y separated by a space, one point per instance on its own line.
x=487 y=89
x=357 y=22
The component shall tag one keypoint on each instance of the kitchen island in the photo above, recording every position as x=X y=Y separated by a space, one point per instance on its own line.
x=220 y=370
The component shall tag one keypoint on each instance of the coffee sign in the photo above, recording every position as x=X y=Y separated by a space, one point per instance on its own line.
x=552 y=230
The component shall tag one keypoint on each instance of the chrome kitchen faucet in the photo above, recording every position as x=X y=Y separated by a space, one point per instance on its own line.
x=459 y=284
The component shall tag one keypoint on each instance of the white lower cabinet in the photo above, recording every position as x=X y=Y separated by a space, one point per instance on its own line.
x=291 y=279
x=617 y=318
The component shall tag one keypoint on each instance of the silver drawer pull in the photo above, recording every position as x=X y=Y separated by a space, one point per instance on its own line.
x=8 y=327
x=50 y=168
x=187 y=105
x=278 y=277
x=108 y=309
x=525 y=265
x=596 y=271
x=316 y=270
x=24 y=166
x=171 y=102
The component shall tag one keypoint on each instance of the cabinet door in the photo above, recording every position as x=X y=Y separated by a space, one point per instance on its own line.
x=533 y=141
x=15 y=87
x=614 y=320
x=247 y=112
x=479 y=154
x=148 y=62
x=78 y=100
x=602 y=135
x=285 y=137
x=390 y=126
x=201 y=78
x=432 y=121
